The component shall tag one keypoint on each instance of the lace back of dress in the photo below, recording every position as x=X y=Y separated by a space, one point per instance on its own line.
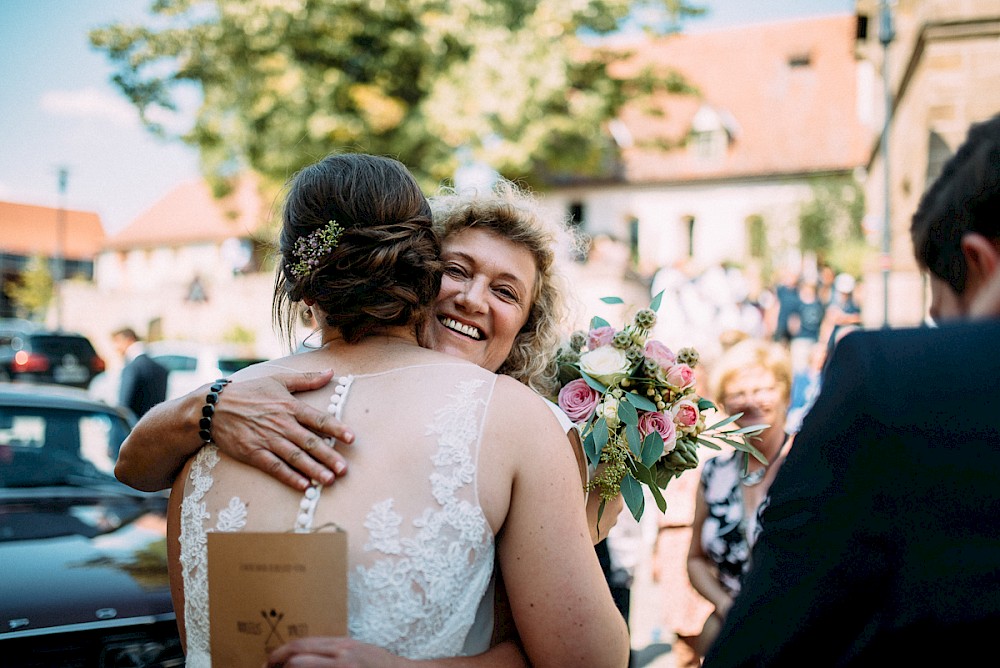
x=420 y=548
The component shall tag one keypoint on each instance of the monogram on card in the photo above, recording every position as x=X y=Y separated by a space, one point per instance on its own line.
x=265 y=589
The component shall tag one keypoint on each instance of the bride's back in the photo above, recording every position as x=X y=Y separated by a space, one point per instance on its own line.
x=420 y=545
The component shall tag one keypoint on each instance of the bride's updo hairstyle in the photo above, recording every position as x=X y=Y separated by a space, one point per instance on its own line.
x=384 y=268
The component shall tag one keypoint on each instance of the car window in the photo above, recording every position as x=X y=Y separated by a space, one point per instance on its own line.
x=42 y=446
x=59 y=345
x=231 y=365
x=177 y=362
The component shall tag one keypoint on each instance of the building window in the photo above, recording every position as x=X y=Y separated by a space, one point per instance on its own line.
x=938 y=153
x=711 y=132
x=861 y=33
x=576 y=214
x=756 y=233
x=689 y=223
x=799 y=60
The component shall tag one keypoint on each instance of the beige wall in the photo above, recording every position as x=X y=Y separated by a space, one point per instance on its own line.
x=946 y=76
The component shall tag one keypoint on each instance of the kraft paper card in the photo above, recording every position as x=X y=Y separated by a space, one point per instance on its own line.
x=265 y=589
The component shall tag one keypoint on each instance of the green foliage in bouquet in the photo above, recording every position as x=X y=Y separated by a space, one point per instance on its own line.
x=639 y=414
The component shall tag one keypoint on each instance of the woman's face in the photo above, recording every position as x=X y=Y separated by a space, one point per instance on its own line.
x=756 y=393
x=485 y=297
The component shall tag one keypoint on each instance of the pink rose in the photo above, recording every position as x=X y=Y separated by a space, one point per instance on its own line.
x=600 y=336
x=651 y=421
x=685 y=413
x=659 y=353
x=578 y=400
x=680 y=376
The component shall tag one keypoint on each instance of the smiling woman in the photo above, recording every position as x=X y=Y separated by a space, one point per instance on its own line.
x=500 y=250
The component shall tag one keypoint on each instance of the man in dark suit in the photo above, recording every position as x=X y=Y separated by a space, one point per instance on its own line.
x=882 y=536
x=143 y=381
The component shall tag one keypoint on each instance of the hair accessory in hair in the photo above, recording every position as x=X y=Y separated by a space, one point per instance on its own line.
x=312 y=248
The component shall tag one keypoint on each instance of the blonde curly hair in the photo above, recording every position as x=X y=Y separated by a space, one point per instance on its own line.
x=515 y=214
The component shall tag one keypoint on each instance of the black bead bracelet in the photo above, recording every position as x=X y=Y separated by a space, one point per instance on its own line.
x=208 y=410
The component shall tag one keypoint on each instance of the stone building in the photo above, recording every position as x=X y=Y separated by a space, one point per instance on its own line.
x=943 y=75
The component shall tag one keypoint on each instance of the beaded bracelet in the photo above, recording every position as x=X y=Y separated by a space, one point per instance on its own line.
x=208 y=410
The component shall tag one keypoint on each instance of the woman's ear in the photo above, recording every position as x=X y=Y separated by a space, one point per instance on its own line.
x=982 y=259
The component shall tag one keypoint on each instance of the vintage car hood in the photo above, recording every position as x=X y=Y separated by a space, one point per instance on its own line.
x=101 y=557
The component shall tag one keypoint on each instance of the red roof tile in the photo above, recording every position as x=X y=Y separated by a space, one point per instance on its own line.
x=28 y=229
x=787 y=118
x=191 y=214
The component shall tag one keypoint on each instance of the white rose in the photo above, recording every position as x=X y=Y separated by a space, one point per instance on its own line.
x=606 y=364
x=609 y=410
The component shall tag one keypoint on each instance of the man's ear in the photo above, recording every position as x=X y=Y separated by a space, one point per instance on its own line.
x=982 y=257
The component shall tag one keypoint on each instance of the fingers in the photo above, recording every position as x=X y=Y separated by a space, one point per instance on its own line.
x=262 y=424
x=307 y=380
x=311 y=652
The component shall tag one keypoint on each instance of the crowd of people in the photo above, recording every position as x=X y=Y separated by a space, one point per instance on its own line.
x=417 y=422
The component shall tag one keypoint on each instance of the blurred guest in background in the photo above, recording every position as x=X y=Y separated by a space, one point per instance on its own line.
x=143 y=380
x=753 y=378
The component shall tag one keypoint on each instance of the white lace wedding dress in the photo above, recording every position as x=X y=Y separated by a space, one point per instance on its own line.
x=420 y=549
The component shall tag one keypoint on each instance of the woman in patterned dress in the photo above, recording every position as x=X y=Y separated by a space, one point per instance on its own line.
x=754 y=378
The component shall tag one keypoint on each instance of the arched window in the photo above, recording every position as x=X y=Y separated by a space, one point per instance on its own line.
x=938 y=153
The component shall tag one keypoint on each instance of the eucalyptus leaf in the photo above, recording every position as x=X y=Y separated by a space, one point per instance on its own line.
x=655 y=304
x=634 y=439
x=652 y=448
x=598 y=321
x=590 y=448
x=632 y=493
x=627 y=413
x=661 y=503
x=600 y=434
x=612 y=300
x=705 y=404
x=640 y=402
x=594 y=383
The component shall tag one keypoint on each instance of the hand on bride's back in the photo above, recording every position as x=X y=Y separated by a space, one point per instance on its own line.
x=332 y=652
x=262 y=423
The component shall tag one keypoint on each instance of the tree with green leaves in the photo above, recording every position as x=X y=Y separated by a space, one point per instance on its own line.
x=830 y=223
x=525 y=86
x=33 y=291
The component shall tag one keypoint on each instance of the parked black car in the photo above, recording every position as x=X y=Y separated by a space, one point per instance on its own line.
x=84 y=556
x=45 y=356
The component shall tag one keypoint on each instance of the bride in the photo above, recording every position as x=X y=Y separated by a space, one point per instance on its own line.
x=439 y=467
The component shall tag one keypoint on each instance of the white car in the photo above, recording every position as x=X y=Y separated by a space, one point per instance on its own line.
x=190 y=365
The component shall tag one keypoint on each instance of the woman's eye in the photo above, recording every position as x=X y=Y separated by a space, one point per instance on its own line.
x=508 y=294
x=454 y=270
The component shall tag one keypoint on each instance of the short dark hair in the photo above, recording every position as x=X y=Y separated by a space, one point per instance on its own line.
x=384 y=271
x=965 y=198
x=127 y=332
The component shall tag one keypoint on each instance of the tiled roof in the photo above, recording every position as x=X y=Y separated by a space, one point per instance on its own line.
x=786 y=90
x=27 y=229
x=190 y=214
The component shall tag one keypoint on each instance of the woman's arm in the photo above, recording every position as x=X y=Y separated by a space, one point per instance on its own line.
x=257 y=421
x=701 y=570
x=559 y=598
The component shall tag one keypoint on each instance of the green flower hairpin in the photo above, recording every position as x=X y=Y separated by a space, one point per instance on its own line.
x=313 y=248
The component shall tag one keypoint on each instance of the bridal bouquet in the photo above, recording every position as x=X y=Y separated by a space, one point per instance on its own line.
x=635 y=403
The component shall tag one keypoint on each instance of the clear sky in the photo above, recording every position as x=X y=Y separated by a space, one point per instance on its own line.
x=58 y=107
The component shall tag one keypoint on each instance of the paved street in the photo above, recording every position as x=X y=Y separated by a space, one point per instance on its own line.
x=650 y=643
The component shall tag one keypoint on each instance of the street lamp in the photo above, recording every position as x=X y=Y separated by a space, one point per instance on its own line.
x=59 y=271
x=886 y=33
